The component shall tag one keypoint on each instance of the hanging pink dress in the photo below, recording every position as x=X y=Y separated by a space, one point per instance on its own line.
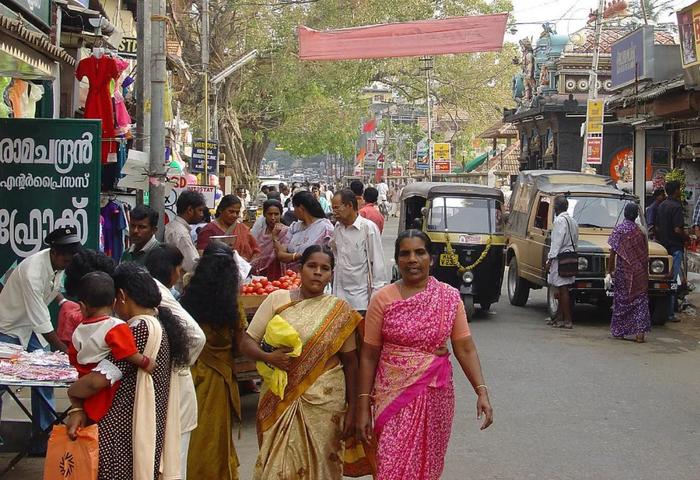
x=413 y=391
x=122 y=115
x=98 y=105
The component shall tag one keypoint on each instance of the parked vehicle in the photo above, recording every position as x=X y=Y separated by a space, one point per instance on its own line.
x=597 y=206
x=465 y=224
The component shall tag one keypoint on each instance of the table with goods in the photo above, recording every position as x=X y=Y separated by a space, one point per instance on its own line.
x=252 y=296
x=21 y=369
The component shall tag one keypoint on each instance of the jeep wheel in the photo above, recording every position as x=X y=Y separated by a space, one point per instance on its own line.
x=518 y=288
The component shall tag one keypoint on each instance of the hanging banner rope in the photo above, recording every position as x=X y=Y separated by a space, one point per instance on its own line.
x=480 y=33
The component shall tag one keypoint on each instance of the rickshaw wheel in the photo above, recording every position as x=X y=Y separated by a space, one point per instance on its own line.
x=468 y=301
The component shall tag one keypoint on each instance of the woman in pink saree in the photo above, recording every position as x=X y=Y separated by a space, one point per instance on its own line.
x=405 y=369
x=266 y=263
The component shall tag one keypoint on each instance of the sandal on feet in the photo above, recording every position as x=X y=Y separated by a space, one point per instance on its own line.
x=563 y=325
x=639 y=338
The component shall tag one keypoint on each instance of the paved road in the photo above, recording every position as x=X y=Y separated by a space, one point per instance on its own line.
x=568 y=404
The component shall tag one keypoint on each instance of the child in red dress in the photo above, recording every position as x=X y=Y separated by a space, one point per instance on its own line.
x=100 y=335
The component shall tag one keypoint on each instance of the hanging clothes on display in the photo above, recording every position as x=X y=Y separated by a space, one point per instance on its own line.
x=114 y=220
x=123 y=120
x=4 y=107
x=100 y=70
x=24 y=97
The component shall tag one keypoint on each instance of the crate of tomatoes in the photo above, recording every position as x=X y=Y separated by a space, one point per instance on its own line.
x=253 y=293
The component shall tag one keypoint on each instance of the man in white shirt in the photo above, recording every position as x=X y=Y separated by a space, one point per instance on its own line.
x=190 y=211
x=359 y=257
x=564 y=239
x=24 y=313
x=164 y=263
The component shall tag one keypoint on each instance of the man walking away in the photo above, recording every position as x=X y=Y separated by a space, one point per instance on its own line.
x=261 y=197
x=658 y=197
x=370 y=211
x=356 y=242
x=143 y=225
x=358 y=188
x=564 y=239
x=670 y=233
x=190 y=211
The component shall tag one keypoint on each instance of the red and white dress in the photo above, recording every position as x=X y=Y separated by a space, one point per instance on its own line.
x=93 y=341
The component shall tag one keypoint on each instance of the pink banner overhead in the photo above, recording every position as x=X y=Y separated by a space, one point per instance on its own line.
x=482 y=33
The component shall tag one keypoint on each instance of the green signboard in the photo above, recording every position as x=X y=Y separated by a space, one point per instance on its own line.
x=40 y=9
x=49 y=178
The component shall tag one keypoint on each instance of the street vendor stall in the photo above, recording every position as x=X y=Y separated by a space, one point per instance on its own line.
x=21 y=369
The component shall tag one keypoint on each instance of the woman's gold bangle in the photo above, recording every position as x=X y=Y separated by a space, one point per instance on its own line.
x=481 y=386
x=74 y=410
x=364 y=395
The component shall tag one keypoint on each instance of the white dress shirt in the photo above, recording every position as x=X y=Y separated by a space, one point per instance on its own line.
x=24 y=300
x=188 y=397
x=562 y=241
x=178 y=233
x=358 y=250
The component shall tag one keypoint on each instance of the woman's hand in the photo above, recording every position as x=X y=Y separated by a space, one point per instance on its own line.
x=279 y=358
x=349 y=425
x=483 y=407
x=363 y=422
x=75 y=422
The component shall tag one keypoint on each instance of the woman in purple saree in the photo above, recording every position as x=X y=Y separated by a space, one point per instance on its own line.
x=628 y=265
x=405 y=368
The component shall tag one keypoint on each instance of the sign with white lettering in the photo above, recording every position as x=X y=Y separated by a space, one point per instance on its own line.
x=632 y=57
x=49 y=178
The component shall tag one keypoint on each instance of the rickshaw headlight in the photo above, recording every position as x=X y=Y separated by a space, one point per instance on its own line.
x=468 y=277
x=582 y=264
x=657 y=266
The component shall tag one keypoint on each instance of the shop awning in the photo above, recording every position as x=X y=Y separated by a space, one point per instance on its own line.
x=475 y=162
x=27 y=54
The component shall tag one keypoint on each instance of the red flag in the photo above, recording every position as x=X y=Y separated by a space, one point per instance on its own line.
x=369 y=126
x=480 y=33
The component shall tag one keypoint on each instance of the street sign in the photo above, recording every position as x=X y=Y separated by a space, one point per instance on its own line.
x=422 y=149
x=197 y=165
x=594 y=116
x=441 y=151
x=442 y=166
x=370 y=163
x=179 y=184
x=594 y=149
x=49 y=178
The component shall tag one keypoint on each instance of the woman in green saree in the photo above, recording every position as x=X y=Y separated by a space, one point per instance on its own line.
x=302 y=435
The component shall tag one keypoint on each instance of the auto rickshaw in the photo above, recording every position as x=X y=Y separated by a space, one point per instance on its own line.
x=465 y=224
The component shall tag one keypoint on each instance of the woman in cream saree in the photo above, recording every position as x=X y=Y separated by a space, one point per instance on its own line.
x=301 y=435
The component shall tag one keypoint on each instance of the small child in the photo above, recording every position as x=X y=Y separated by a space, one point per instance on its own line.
x=98 y=336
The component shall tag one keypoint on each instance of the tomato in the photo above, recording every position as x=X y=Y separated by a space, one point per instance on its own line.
x=289 y=273
x=276 y=283
x=260 y=291
x=264 y=282
x=269 y=289
x=257 y=285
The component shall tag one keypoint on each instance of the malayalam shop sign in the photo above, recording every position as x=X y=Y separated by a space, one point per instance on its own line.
x=632 y=57
x=49 y=178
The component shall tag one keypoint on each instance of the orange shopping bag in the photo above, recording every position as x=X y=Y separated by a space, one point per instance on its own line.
x=72 y=460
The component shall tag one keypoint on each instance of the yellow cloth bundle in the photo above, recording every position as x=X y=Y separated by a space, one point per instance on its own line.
x=279 y=333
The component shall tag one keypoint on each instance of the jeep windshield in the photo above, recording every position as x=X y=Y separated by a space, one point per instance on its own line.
x=598 y=212
x=465 y=215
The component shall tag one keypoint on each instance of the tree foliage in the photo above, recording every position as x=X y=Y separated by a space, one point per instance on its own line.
x=317 y=107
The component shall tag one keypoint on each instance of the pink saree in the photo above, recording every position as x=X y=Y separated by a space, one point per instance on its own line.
x=413 y=391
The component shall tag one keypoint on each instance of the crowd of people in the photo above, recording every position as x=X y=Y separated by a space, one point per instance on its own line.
x=154 y=340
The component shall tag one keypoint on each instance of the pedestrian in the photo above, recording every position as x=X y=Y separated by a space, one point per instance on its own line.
x=670 y=232
x=143 y=225
x=284 y=192
x=564 y=239
x=190 y=211
x=628 y=270
x=395 y=199
x=370 y=210
x=140 y=433
x=311 y=228
x=357 y=245
x=244 y=197
x=266 y=263
x=305 y=430
x=226 y=223
x=262 y=195
x=211 y=297
x=24 y=313
x=325 y=204
x=69 y=313
x=164 y=263
x=405 y=369
x=658 y=197
x=383 y=190
x=358 y=188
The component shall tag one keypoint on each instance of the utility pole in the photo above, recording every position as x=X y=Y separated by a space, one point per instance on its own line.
x=143 y=75
x=427 y=67
x=593 y=75
x=205 y=69
x=158 y=79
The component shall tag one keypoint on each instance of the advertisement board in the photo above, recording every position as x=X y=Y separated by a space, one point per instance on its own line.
x=594 y=149
x=594 y=116
x=689 y=34
x=212 y=155
x=442 y=166
x=49 y=178
x=441 y=151
x=632 y=57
